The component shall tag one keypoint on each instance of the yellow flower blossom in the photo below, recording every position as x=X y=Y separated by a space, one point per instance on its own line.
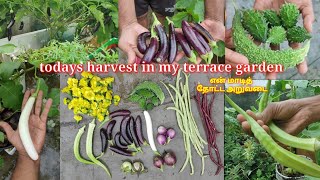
x=89 y=95
x=99 y=97
x=76 y=92
x=66 y=101
x=116 y=100
x=83 y=83
x=72 y=82
x=86 y=74
x=66 y=89
x=77 y=117
x=100 y=117
x=109 y=95
x=107 y=81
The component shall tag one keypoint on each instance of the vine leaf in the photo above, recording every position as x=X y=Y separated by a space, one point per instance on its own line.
x=11 y=95
x=7 y=68
x=7 y=48
x=44 y=87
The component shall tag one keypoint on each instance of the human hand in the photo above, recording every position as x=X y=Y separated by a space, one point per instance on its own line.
x=128 y=40
x=231 y=56
x=292 y=115
x=37 y=125
x=305 y=6
x=215 y=28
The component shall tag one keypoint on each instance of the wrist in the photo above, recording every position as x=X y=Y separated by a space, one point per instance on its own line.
x=125 y=25
x=25 y=159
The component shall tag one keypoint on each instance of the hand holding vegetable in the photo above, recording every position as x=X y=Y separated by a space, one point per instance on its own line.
x=306 y=8
x=37 y=125
x=128 y=40
x=291 y=115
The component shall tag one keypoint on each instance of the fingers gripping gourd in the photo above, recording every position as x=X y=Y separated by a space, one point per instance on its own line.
x=256 y=54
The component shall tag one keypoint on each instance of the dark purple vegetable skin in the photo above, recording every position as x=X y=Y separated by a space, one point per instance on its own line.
x=121 y=112
x=128 y=131
x=202 y=40
x=117 y=141
x=192 y=38
x=173 y=46
x=163 y=51
x=202 y=31
x=139 y=130
x=133 y=132
x=158 y=162
x=184 y=44
x=151 y=51
x=123 y=129
x=109 y=129
x=104 y=140
x=170 y=159
x=142 y=42
x=120 y=151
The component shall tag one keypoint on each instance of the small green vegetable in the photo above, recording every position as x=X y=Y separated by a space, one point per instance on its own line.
x=297 y=34
x=256 y=55
x=277 y=35
x=255 y=23
x=272 y=18
x=92 y=125
x=126 y=167
x=289 y=14
x=76 y=147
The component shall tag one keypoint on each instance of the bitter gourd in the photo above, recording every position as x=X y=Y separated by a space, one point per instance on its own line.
x=277 y=35
x=256 y=54
x=297 y=34
x=255 y=23
x=289 y=14
x=272 y=18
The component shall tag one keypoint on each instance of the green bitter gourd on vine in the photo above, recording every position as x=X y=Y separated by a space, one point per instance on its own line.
x=289 y=14
x=277 y=35
x=272 y=18
x=255 y=23
x=255 y=54
x=297 y=34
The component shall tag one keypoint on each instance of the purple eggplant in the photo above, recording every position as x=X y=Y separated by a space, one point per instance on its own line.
x=163 y=51
x=121 y=151
x=121 y=112
x=104 y=140
x=192 y=38
x=122 y=141
x=117 y=141
x=139 y=130
x=109 y=129
x=142 y=42
x=123 y=129
x=173 y=46
x=202 y=31
x=202 y=40
x=128 y=131
x=186 y=47
x=152 y=50
x=133 y=132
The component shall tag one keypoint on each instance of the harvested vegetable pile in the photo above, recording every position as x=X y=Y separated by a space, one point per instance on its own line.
x=195 y=41
x=186 y=121
x=91 y=95
x=269 y=27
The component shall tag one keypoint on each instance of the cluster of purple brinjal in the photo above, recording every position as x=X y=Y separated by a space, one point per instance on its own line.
x=129 y=139
x=194 y=41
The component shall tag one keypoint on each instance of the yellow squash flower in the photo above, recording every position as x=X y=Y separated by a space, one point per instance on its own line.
x=116 y=100
x=77 y=117
x=86 y=75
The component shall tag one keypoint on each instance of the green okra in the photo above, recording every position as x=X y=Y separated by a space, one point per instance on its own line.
x=76 y=147
x=280 y=154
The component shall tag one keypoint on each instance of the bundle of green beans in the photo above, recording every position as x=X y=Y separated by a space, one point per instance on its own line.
x=280 y=154
x=186 y=120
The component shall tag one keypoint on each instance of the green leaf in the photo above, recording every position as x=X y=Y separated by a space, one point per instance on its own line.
x=55 y=96
x=142 y=103
x=155 y=101
x=7 y=48
x=11 y=95
x=43 y=87
x=7 y=68
x=312 y=131
x=53 y=112
x=304 y=92
x=98 y=15
x=134 y=98
x=149 y=106
x=145 y=93
x=219 y=50
x=301 y=83
x=199 y=11
x=177 y=18
x=183 y=4
x=2 y=135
